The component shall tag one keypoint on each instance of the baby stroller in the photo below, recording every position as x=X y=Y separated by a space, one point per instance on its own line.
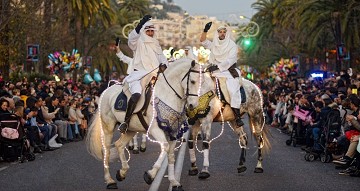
x=331 y=131
x=297 y=134
x=13 y=143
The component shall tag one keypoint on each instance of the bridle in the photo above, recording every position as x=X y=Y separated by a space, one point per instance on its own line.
x=187 y=94
x=187 y=75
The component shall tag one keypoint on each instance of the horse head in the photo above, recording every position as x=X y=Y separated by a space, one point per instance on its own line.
x=198 y=83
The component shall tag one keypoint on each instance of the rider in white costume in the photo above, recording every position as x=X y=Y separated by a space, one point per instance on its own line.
x=223 y=56
x=189 y=53
x=148 y=56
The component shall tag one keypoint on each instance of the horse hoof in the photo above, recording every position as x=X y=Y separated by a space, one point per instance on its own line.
x=142 y=149
x=119 y=177
x=131 y=148
x=148 y=178
x=112 y=186
x=241 y=169
x=177 y=188
x=136 y=151
x=204 y=175
x=259 y=170
x=193 y=172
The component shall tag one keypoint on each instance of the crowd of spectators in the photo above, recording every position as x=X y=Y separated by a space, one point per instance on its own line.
x=317 y=97
x=51 y=113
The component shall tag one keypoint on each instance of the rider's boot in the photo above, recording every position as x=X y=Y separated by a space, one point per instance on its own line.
x=239 y=122
x=129 y=111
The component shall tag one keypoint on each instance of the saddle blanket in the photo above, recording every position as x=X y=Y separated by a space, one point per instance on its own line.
x=243 y=94
x=121 y=102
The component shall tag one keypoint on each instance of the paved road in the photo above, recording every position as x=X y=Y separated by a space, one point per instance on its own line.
x=72 y=168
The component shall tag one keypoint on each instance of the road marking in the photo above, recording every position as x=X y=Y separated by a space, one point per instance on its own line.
x=3 y=168
x=178 y=167
x=180 y=159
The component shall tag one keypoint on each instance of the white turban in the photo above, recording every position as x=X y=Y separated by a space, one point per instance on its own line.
x=221 y=28
x=221 y=48
x=191 y=54
x=148 y=26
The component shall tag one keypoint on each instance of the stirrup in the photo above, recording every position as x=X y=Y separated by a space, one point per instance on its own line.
x=123 y=127
x=239 y=122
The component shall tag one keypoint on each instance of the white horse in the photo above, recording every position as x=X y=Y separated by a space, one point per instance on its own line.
x=203 y=115
x=170 y=90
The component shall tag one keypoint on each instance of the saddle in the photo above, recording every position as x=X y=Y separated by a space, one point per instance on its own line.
x=225 y=96
x=143 y=103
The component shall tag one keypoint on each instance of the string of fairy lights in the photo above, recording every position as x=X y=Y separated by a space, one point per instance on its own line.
x=154 y=114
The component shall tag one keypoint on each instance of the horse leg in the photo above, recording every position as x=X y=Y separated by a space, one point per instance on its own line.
x=193 y=133
x=206 y=129
x=136 y=147
x=131 y=145
x=143 y=143
x=120 y=145
x=171 y=167
x=259 y=168
x=108 y=135
x=159 y=135
x=256 y=123
x=243 y=145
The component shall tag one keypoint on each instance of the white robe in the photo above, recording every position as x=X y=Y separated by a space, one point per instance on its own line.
x=224 y=55
x=148 y=56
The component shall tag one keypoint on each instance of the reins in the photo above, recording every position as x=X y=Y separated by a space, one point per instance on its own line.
x=188 y=79
x=187 y=86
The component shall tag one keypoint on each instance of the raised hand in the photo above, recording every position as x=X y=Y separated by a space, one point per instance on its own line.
x=145 y=19
x=207 y=26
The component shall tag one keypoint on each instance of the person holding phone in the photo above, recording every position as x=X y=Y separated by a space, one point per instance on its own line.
x=148 y=56
x=127 y=60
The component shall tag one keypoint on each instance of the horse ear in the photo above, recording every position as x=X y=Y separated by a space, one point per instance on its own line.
x=193 y=63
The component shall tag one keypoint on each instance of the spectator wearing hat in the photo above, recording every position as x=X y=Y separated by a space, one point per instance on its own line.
x=24 y=96
x=189 y=53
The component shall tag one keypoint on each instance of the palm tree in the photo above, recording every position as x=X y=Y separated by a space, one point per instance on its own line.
x=127 y=12
x=268 y=45
x=86 y=13
x=138 y=6
x=337 y=17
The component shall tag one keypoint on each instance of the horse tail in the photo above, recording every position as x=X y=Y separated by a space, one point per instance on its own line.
x=93 y=137
x=262 y=130
x=266 y=142
x=263 y=134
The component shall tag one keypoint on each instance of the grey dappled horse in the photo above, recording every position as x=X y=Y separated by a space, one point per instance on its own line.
x=253 y=107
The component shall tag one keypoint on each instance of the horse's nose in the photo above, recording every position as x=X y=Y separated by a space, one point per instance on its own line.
x=191 y=106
